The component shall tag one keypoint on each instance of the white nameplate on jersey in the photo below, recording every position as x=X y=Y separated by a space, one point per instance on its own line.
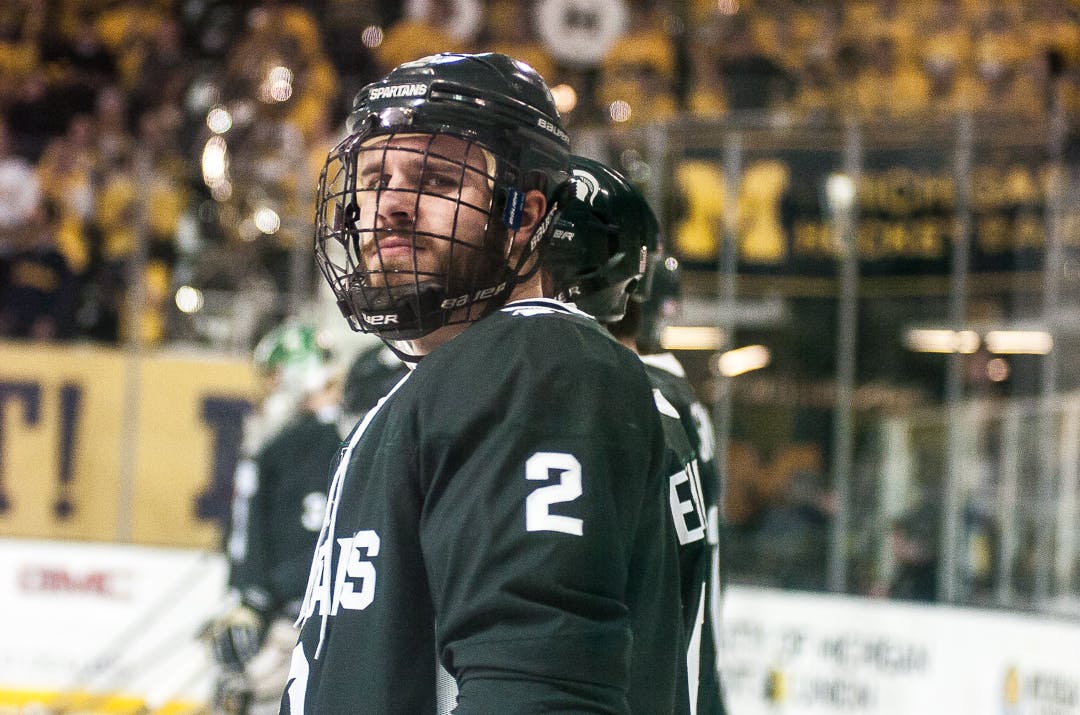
x=541 y=306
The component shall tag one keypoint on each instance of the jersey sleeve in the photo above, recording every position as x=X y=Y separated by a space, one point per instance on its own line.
x=246 y=545
x=542 y=509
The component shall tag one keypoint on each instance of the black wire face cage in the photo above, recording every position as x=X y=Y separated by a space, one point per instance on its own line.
x=409 y=232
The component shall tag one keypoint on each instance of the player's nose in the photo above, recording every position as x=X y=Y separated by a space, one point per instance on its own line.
x=398 y=198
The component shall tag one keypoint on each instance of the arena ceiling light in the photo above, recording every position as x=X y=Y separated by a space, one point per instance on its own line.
x=1019 y=342
x=742 y=360
x=999 y=342
x=935 y=340
x=691 y=337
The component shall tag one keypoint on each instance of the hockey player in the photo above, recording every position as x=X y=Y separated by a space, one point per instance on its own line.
x=605 y=256
x=496 y=525
x=279 y=491
x=278 y=505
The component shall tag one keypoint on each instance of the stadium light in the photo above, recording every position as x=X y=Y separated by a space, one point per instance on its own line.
x=930 y=340
x=1019 y=342
x=690 y=337
x=742 y=360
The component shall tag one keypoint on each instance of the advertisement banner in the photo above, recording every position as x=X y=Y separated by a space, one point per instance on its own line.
x=102 y=628
x=97 y=444
x=787 y=653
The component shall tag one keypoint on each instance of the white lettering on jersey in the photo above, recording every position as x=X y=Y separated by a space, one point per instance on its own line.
x=705 y=431
x=663 y=405
x=314 y=508
x=320 y=591
x=354 y=579
x=687 y=510
x=355 y=583
x=296 y=686
x=538 y=516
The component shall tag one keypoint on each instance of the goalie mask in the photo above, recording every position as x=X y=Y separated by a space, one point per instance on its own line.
x=418 y=206
x=603 y=242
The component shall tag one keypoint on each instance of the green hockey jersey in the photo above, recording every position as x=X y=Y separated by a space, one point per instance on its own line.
x=503 y=513
x=694 y=486
x=278 y=503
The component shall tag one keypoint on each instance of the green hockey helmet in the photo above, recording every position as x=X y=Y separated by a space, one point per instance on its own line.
x=293 y=354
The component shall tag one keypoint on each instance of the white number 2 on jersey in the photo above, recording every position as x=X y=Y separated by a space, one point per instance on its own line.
x=538 y=516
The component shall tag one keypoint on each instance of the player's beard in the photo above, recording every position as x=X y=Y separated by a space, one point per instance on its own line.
x=457 y=268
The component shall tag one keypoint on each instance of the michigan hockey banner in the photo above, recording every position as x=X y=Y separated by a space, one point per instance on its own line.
x=908 y=200
x=788 y=653
x=99 y=444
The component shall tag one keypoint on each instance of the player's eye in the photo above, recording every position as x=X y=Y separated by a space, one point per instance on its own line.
x=439 y=181
x=373 y=181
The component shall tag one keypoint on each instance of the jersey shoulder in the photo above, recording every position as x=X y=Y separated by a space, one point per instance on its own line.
x=528 y=357
x=302 y=432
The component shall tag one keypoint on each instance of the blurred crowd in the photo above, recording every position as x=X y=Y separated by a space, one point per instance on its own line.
x=202 y=125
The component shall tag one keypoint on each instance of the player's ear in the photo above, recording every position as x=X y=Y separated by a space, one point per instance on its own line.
x=532 y=213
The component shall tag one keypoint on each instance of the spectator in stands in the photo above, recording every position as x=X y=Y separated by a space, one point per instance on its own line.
x=21 y=24
x=913 y=546
x=1011 y=74
x=865 y=21
x=72 y=51
x=37 y=290
x=67 y=171
x=164 y=72
x=704 y=88
x=752 y=80
x=19 y=191
x=888 y=85
x=343 y=25
x=508 y=28
x=414 y=36
x=113 y=130
x=637 y=75
x=945 y=56
x=792 y=539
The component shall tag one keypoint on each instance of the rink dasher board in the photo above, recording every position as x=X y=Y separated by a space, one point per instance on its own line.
x=787 y=653
x=121 y=623
x=96 y=627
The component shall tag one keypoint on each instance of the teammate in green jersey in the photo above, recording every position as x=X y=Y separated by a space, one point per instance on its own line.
x=278 y=503
x=497 y=538
x=606 y=257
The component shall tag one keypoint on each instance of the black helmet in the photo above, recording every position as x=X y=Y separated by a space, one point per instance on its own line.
x=493 y=103
x=602 y=242
x=661 y=290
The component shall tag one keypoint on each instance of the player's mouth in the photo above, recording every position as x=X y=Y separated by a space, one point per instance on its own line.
x=390 y=247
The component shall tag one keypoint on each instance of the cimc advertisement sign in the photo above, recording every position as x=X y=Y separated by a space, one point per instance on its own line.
x=103 y=628
x=97 y=444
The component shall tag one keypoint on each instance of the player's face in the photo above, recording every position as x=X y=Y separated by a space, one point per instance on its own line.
x=423 y=207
